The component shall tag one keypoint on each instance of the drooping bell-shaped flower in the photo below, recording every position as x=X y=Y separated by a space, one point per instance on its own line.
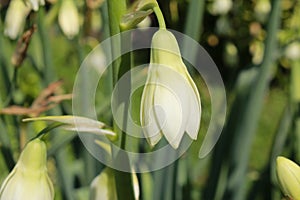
x=288 y=174
x=29 y=178
x=170 y=104
x=68 y=18
x=15 y=18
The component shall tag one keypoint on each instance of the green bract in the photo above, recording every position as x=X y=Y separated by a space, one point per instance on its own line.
x=170 y=102
x=76 y=123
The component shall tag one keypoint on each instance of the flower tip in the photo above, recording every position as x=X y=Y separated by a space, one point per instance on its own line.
x=280 y=160
x=34 y=154
x=285 y=163
x=288 y=173
x=174 y=144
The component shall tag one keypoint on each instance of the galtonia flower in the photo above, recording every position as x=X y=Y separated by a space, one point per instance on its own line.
x=170 y=102
x=103 y=187
x=35 y=4
x=292 y=51
x=288 y=174
x=15 y=18
x=68 y=18
x=29 y=178
x=221 y=7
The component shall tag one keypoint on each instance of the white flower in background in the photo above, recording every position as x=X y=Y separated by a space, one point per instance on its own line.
x=293 y=51
x=103 y=187
x=145 y=23
x=262 y=7
x=68 y=18
x=29 y=178
x=76 y=123
x=221 y=7
x=15 y=18
x=170 y=102
x=35 y=4
x=288 y=174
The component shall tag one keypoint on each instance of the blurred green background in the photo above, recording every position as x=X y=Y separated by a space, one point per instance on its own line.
x=256 y=46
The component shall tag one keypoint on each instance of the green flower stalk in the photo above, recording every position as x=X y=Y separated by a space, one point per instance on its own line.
x=288 y=174
x=29 y=178
x=68 y=18
x=170 y=104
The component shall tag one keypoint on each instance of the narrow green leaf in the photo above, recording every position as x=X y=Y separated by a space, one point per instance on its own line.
x=246 y=126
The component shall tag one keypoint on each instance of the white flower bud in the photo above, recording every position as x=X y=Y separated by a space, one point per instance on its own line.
x=68 y=18
x=15 y=18
x=29 y=178
x=288 y=174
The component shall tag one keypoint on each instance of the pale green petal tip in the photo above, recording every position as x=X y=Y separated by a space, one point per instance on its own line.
x=34 y=155
x=154 y=140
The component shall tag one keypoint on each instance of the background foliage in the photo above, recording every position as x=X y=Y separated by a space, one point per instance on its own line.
x=255 y=45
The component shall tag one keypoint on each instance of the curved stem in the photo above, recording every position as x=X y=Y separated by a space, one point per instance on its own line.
x=160 y=17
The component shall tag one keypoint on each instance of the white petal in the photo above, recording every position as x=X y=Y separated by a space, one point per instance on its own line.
x=103 y=186
x=193 y=122
x=184 y=88
x=169 y=115
x=148 y=121
x=34 y=4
